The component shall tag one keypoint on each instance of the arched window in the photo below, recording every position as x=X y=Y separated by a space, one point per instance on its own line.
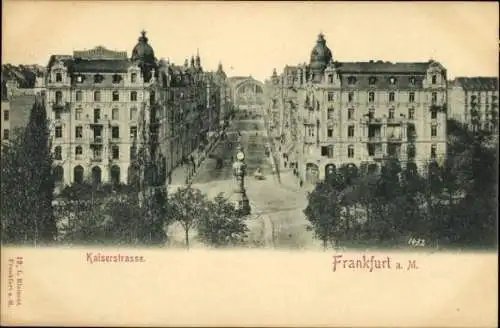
x=58 y=174
x=133 y=96
x=115 y=174
x=58 y=153
x=330 y=170
x=96 y=175
x=97 y=96
x=78 y=174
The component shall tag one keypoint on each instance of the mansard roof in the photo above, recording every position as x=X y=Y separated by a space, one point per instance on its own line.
x=480 y=83
x=381 y=67
x=101 y=66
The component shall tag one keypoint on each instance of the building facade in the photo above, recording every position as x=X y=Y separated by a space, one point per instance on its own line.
x=20 y=86
x=327 y=114
x=474 y=101
x=109 y=112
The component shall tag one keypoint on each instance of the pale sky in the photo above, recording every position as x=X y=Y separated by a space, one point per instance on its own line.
x=254 y=38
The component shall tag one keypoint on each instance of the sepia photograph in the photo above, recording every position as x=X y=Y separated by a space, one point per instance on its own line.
x=249 y=163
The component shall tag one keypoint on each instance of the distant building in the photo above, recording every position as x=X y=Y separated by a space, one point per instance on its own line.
x=474 y=101
x=328 y=114
x=20 y=85
x=248 y=94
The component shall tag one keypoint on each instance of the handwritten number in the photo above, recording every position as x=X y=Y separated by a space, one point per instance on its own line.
x=416 y=242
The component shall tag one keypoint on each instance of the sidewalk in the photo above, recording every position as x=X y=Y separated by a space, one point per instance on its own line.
x=180 y=173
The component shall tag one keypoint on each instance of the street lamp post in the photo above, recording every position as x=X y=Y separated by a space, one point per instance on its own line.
x=239 y=171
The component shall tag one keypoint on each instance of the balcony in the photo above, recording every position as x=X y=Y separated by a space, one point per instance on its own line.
x=60 y=105
x=375 y=121
x=96 y=141
x=395 y=120
x=98 y=121
x=394 y=138
x=96 y=159
x=375 y=139
x=310 y=139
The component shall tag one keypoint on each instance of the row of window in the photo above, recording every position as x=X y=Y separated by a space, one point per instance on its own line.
x=115 y=114
x=351 y=131
x=98 y=78
x=391 y=113
x=97 y=153
x=97 y=96
x=477 y=98
x=327 y=151
x=96 y=174
x=115 y=132
x=372 y=80
x=371 y=97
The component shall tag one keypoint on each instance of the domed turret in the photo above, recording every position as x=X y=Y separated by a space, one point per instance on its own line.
x=320 y=55
x=143 y=51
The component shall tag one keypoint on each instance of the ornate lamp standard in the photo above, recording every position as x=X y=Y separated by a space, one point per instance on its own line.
x=239 y=171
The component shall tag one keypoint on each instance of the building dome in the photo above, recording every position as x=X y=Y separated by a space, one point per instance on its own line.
x=143 y=51
x=320 y=55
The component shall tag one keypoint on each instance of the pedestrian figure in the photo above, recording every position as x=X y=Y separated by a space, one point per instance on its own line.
x=301 y=183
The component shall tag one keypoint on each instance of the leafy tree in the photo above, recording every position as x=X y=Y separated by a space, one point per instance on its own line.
x=156 y=218
x=28 y=183
x=186 y=206
x=14 y=205
x=222 y=226
x=40 y=177
x=324 y=212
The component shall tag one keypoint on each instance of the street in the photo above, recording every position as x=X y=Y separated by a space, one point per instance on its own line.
x=276 y=219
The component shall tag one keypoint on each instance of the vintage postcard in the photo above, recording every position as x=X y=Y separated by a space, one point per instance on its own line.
x=215 y=163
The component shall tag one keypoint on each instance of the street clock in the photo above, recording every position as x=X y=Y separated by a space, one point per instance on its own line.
x=240 y=156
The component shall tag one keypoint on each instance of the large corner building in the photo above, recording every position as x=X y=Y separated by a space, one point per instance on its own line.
x=327 y=114
x=104 y=107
